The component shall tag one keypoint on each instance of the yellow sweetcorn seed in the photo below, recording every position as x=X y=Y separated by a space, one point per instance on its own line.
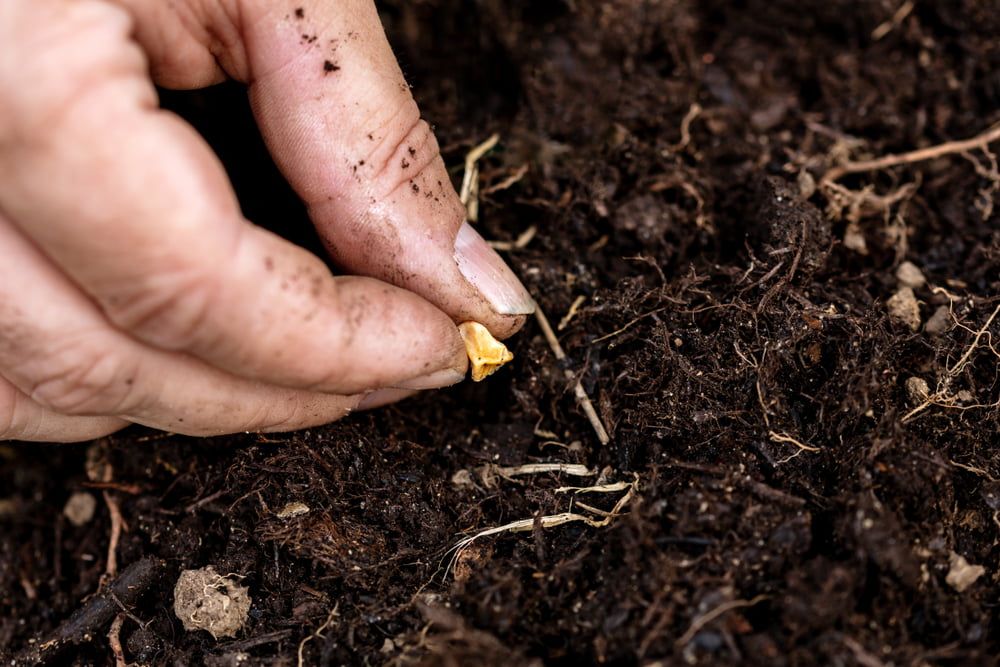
x=486 y=353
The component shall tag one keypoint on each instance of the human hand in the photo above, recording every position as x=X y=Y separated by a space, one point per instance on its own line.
x=131 y=287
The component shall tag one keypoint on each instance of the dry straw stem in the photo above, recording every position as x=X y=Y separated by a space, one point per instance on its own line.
x=898 y=17
x=469 y=194
x=100 y=471
x=523 y=239
x=516 y=176
x=575 y=469
x=600 y=488
x=571 y=313
x=549 y=521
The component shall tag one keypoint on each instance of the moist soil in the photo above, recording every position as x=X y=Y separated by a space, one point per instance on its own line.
x=802 y=497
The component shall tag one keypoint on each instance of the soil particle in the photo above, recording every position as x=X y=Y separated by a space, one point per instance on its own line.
x=917 y=389
x=329 y=67
x=903 y=306
x=79 y=509
x=205 y=600
x=962 y=575
x=939 y=322
x=909 y=275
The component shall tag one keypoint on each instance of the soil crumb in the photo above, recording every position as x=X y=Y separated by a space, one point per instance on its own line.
x=205 y=600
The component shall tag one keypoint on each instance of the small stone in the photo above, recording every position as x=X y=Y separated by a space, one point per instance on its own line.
x=292 y=509
x=903 y=306
x=854 y=239
x=917 y=389
x=806 y=183
x=205 y=600
x=79 y=509
x=961 y=575
x=939 y=322
x=909 y=275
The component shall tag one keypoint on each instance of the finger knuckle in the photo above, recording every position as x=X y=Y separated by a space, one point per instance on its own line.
x=404 y=156
x=67 y=48
x=9 y=428
x=82 y=379
x=294 y=415
x=170 y=310
x=276 y=416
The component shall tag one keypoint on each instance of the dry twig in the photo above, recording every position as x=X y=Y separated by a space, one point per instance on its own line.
x=600 y=488
x=709 y=616
x=111 y=568
x=581 y=395
x=898 y=17
x=90 y=619
x=980 y=141
x=576 y=469
x=522 y=240
x=469 y=194
x=574 y=307
x=513 y=178
x=114 y=639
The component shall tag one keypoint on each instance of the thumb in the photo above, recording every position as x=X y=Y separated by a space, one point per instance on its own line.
x=341 y=122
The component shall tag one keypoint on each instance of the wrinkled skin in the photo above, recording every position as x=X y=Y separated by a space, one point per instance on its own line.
x=132 y=290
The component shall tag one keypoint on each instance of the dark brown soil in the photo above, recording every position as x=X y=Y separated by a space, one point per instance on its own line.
x=738 y=318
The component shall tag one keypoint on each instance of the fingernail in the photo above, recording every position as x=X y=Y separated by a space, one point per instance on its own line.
x=380 y=397
x=442 y=378
x=488 y=273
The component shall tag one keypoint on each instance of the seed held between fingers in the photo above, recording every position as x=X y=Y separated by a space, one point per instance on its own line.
x=486 y=353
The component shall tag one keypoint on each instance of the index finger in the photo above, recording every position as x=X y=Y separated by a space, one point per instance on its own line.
x=341 y=122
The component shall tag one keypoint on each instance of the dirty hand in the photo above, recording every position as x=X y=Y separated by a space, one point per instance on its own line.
x=132 y=289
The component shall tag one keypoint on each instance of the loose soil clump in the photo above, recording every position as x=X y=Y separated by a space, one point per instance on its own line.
x=818 y=480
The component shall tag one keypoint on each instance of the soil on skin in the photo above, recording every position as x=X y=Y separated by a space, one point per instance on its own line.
x=730 y=309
